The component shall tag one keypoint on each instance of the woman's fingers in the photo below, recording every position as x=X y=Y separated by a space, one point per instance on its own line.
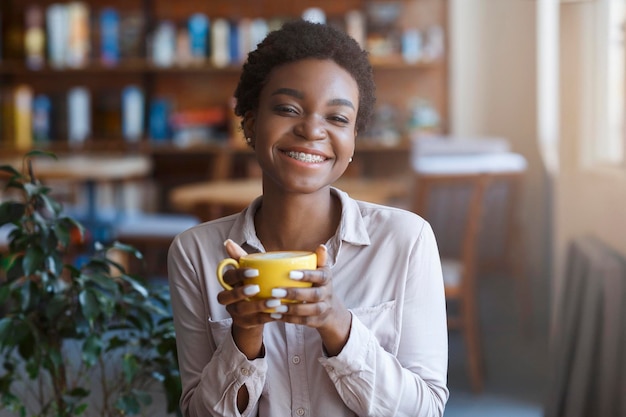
x=237 y=294
x=234 y=250
x=322 y=256
x=236 y=276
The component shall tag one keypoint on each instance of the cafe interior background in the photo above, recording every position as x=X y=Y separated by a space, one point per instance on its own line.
x=136 y=102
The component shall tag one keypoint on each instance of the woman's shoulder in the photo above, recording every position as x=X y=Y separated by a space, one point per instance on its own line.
x=392 y=214
x=209 y=231
x=393 y=219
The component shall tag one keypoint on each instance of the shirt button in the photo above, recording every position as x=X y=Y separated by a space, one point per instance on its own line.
x=295 y=360
x=300 y=411
x=245 y=371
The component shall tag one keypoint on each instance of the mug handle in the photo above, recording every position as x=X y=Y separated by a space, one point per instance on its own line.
x=220 y=271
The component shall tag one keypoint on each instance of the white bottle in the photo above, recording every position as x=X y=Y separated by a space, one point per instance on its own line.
x=78 y=115
x=57 y=27
x=132 y=114
x=220 y=43
x=258 y=31
x=164 y=45
x=314 y=15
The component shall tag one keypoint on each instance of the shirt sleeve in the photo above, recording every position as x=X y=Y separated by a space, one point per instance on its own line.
x=374 y=382
x=212 y=368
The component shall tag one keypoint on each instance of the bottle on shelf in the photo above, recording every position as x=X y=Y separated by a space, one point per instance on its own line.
x=34 y=38
x=78 y=115
x=109 y=37
x=132 y=114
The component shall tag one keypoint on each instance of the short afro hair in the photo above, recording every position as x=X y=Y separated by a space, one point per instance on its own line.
x=297 y=40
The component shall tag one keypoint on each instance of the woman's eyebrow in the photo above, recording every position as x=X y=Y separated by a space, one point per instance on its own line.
x=298 y=94
x=288 y=92
x=341 y=102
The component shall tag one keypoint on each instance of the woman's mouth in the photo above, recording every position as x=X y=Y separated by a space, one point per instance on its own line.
x=305 y=157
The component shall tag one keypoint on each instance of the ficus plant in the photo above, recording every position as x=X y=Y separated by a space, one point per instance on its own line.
x=78 y=334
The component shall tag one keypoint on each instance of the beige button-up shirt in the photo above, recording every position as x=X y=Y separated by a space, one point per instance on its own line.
x=386 y=269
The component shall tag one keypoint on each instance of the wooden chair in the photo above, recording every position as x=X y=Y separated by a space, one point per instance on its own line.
x=450 y=192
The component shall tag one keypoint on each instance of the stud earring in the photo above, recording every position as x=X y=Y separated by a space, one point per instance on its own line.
x=350 y=160
x=248 y=140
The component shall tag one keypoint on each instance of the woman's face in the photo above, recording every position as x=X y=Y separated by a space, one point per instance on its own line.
x=304 y=129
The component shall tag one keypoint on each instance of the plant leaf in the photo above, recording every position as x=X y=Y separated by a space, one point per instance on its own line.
x=10 y=169
x=33 y=260
x=127 y=248
x=136 y=285
x=38 y=152
x=11 y=212
x=56 y=305
x=89 y=305
x=129 y=367
x=52 y=205
x=5 y=331
x=92 y=347
x=128 y=404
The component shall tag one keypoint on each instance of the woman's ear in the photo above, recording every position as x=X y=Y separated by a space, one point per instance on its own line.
x=248 y=126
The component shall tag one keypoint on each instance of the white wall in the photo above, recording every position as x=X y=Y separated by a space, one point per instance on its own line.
x=587 y=201
x=493 y=93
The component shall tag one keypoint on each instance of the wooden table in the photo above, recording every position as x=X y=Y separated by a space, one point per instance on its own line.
x=89 y=170
x=212 y=199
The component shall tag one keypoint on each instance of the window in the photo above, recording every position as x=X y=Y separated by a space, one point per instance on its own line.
x=609 y=145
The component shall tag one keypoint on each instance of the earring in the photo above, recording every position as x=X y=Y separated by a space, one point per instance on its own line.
x=248 y=140
x=350 y=160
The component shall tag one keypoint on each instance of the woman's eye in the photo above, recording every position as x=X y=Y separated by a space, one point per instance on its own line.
x=285 y=109
x=339 y=119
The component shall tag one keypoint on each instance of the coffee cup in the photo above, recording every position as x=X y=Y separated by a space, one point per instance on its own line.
x=274 y=268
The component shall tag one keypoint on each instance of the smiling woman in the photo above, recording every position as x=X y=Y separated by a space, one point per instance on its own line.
x=368 y=335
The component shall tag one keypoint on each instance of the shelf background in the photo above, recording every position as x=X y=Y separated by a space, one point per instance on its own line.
x=206 y=86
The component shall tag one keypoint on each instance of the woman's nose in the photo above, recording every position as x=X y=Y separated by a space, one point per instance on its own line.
x=311 y=128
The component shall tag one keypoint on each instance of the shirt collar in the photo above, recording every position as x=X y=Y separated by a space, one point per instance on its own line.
x=351 y=228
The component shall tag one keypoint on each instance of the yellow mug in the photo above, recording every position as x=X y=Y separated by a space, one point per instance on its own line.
x=273 y=267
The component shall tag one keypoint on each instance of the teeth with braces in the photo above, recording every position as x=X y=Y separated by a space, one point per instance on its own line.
x=306 y=157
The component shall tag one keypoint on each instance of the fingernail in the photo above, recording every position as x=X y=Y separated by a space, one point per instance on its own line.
x=251 y=273
x=272 y=303
x=297 y=275
x=281 y=309
x=227 y=241
x=276 y=316
x=279 y=292
x=251 y=289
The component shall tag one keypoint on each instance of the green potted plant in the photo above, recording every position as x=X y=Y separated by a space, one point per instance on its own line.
x=75 y=339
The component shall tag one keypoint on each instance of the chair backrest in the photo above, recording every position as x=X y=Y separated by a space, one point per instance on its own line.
x=470 y=195
x=453 y=205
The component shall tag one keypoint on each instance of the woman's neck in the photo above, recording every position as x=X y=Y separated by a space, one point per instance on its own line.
x=297 y=221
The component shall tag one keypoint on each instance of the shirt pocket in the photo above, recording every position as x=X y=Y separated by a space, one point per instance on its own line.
x=220 y=329
x=382 y=320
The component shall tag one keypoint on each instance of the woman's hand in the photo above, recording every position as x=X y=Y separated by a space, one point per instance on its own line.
x=318 y=306
x=248 y=316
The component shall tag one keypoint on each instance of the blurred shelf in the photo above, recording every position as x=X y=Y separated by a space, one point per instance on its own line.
x=145 y=147
x=141 y=66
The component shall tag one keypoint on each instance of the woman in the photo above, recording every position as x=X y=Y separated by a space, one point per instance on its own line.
x=371 y=337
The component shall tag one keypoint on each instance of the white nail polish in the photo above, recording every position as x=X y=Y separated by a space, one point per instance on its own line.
x=251 y=273
x=281 y=309
x=297 y=275
x=251 y=289
x=279 y=292
x=276 y=316
x=271 y=303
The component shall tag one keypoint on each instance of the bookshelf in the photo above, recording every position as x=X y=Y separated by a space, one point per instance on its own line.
x=406 y=38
